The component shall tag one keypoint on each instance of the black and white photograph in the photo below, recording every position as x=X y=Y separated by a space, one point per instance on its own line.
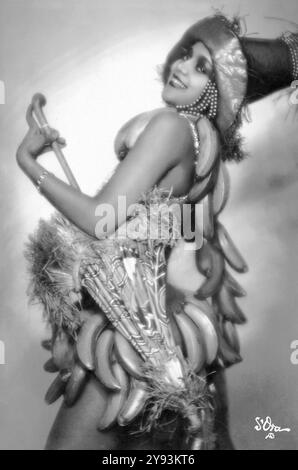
x=149 y=221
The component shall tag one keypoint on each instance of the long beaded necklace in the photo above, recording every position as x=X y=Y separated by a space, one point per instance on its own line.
x=205 y=104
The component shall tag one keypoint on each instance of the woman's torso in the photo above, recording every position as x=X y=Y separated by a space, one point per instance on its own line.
x=181 y=177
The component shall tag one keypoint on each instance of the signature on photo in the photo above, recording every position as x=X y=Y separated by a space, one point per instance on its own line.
x=266 y=425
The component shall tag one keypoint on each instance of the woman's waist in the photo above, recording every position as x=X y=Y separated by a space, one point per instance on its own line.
x=158 y=215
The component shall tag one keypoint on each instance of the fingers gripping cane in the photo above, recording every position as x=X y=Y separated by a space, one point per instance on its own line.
x=38 y=102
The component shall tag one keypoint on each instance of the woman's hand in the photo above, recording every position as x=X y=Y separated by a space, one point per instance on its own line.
x=37 y=140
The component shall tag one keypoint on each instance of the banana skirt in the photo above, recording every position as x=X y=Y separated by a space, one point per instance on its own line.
x=108 y=305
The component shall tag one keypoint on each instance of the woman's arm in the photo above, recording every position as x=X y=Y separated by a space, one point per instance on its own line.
x=162 y=145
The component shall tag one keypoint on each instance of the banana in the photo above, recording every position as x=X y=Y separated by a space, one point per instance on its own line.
x=211 y=285
x=50 y=366
x=47 y=344
x=228 y=307
x=90 y=330
x=103 y=360
x=201 y=188
x=209 y=147
x=227 y=354
x=230 y=251
x=221 y=189
x=182 y=271
x=75 y=384
x=193 y=341
x=116 y=399
x=231 y=335
x=57 y=387
x=127 y=356
x=202 y=304
x=134 y=403
x=204 y=259
x=207 y=326
x=208 y=220
x=233 y=286
x=62 y=351
x=176 y=332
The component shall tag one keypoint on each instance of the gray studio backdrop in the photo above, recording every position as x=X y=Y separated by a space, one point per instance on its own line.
x=96 y=61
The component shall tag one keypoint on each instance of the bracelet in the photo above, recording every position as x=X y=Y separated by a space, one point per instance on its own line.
x=291 y=39
x=40 y=180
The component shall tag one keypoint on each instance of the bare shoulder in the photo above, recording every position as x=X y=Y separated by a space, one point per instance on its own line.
x=168 y=122
x=165 y=140
x=168 y=116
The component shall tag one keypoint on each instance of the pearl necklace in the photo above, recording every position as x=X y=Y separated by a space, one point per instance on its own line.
x=205 y=104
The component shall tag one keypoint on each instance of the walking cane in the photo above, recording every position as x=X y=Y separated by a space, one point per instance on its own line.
x=38 y=102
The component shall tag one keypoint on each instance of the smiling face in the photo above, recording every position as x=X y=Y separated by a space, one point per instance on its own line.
x=188 y=76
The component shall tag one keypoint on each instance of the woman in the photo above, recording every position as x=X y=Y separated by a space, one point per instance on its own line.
x=128 y=360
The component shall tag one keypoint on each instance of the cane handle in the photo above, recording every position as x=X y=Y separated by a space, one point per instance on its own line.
x=38 y=102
